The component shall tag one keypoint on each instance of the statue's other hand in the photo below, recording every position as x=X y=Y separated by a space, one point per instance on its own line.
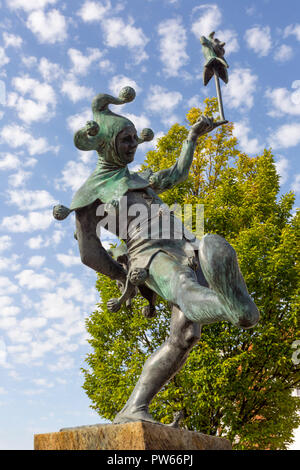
x=92 y=128
x=113 y=305
x=203 y=126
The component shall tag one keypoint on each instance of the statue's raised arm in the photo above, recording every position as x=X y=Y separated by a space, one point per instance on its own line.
x=169 y=177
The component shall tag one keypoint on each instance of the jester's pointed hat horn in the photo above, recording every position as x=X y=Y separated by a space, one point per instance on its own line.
x=106 y=125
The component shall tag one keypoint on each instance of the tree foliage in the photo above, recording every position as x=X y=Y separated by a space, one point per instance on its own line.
x=236 y=383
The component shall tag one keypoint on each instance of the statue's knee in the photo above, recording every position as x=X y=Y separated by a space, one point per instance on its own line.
x=191 y=338
x=181 y=281
x=184 y=280
x=212 y=242
x=185 y=339
x=249 y=319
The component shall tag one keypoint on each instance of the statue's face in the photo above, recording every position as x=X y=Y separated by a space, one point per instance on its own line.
x=126 y=143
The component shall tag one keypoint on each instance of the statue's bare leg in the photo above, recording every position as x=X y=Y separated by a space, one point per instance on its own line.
x=161 y=367
x=227 y=299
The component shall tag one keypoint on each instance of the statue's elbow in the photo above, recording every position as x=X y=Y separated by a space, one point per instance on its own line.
x=182 y=177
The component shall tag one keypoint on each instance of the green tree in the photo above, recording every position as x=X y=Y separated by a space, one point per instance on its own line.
x=236 y=383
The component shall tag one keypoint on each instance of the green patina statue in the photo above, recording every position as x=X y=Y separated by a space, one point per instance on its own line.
x=200 y=278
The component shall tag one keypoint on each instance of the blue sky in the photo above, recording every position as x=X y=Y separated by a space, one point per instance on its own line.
x=54 y=57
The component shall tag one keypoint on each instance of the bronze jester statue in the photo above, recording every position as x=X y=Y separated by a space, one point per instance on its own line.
x=202 y=281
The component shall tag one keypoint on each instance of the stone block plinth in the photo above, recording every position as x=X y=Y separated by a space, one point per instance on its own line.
x=130 y=436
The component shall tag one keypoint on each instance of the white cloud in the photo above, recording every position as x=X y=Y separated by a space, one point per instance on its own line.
x=140 y=122
x=106 y=66
x=282 y=167
x=292 y=30
x=36 y=261
x=74 y=91
x=70 y=302
x=74 y=175
x=12 y=40
x=285 y=136
x=81 y=62
x=50 y=71
x=2 y=93
x=50 y=27
x=19 y=178
x=259 y=40
x=208 y=20
x=32 y=280
x=7 y=287
x=30 y=200
x=41 y=103
x=248 y=145
x=65 y=307
x=68 y=260
x=170 y=119
x=43 y=383
x=5 y=243
x=194 y=101
x=284 y=53
x=9 y=161
x=5 y=302
x=296 y=184
x=35 y=243
x=160 y=100
x=32 y=221
x=10 y=263
x=94 y=11
x=238 y=93
x=17 y=136
x=29 y=61
x=3 y=57
x=173 y=41
x=77 y=121
x=64 y=363
x=118 y=33
x=39 y=91
x=284 y=101
x=8 y=322
x=56 y=237
x=29 y=5
x=3 y=357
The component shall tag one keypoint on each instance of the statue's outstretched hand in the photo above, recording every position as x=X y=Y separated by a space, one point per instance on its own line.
x=203 y=126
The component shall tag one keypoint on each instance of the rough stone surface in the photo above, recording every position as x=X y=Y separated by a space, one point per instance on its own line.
x=130 y=436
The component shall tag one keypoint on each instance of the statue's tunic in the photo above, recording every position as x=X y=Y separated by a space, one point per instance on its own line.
x=140 y=217
x=147 y=226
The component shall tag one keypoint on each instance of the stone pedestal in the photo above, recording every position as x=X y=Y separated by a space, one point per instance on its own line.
x=130 y=436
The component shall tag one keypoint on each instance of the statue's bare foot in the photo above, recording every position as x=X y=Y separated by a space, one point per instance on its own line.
x=129 y=416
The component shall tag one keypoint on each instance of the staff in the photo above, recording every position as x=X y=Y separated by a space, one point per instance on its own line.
x=215 y=64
